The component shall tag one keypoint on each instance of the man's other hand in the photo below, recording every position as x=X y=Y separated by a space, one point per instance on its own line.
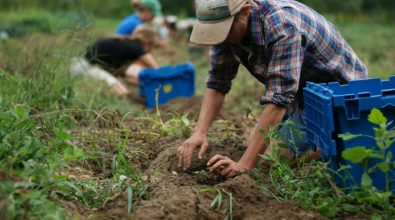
x=185 y=151
x=225 y=166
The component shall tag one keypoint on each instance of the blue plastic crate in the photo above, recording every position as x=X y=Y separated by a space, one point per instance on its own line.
x=332 y=109
x=158 y=86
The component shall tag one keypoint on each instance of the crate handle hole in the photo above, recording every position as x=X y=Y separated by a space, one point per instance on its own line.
x=364 y=95
x=389 y=92
x=349 y=97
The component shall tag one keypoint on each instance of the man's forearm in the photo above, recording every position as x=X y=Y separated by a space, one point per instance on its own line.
x=271 y=116
x=211 y=105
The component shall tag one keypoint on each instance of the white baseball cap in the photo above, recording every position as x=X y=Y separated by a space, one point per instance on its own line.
x=214 y=20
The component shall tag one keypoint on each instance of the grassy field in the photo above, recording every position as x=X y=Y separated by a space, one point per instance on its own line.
x=70 y=149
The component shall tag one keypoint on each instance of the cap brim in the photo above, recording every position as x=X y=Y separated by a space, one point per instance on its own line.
x=211 y=33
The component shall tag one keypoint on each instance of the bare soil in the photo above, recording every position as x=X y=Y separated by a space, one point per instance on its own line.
x=175 y=194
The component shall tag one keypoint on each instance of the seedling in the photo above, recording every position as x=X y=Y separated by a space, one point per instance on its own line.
x=217 y=202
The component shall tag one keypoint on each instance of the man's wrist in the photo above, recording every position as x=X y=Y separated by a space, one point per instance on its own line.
x=201 y=132
x=245 y=167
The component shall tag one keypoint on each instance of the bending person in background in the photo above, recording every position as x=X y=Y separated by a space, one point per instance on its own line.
x=114 y=57
x=146 y=11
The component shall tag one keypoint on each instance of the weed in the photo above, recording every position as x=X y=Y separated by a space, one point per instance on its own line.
x=217 y=202
x=32 y=165
x=311 y=184
x=378 y=158
x=229 y=207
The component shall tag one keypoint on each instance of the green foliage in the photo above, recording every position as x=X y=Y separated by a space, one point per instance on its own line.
x=177 y=126
x=32 y=21
x=31 y=165
x=335 y=6
x=372 y=160
x=311 y=188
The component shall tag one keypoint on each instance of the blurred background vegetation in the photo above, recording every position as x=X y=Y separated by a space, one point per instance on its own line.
x=380 y=8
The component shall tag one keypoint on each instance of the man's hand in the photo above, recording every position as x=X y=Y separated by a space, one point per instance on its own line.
x=185 y=151
x=224 y=166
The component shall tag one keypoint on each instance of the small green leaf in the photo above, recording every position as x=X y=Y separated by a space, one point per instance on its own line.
x=366 y=180
x=389 y=156
x=377 y=155
x=350 y=208
x=348 y=136
x=73 y=153
x=383 y=167
x=379 y=133
x=356 y=154
x=21 y=112
x=63 y=135
x=214 y=202
x=219 y=200
x=377 y=117
x=386 y=195
x=130 y=198
x=206 y=190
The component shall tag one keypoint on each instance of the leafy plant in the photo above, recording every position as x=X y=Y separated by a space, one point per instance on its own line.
x=371 y=160
x=32 y=166
x=310 y=184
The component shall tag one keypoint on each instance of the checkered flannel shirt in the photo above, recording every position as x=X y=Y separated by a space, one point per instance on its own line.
x=287 y=44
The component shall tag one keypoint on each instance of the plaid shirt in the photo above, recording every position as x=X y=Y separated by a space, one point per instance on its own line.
x=287 y=44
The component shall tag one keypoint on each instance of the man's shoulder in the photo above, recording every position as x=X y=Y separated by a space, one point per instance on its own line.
x=285 y=14
x=284 y=10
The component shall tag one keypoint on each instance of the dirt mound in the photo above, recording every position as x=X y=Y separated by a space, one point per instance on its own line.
x=188 y=195
x=165 y=167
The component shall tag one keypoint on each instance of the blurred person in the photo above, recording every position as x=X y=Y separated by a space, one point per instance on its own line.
x=113 y=57
x=165 y=27
x=147 y=10
x=283 y=44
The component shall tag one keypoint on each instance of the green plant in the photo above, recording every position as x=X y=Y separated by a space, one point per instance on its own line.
x=122 y=167
x=176 y=125
x=229 y=207
x=373 y=159
x=31 y=164
x=217 y=202
x=309 y=184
